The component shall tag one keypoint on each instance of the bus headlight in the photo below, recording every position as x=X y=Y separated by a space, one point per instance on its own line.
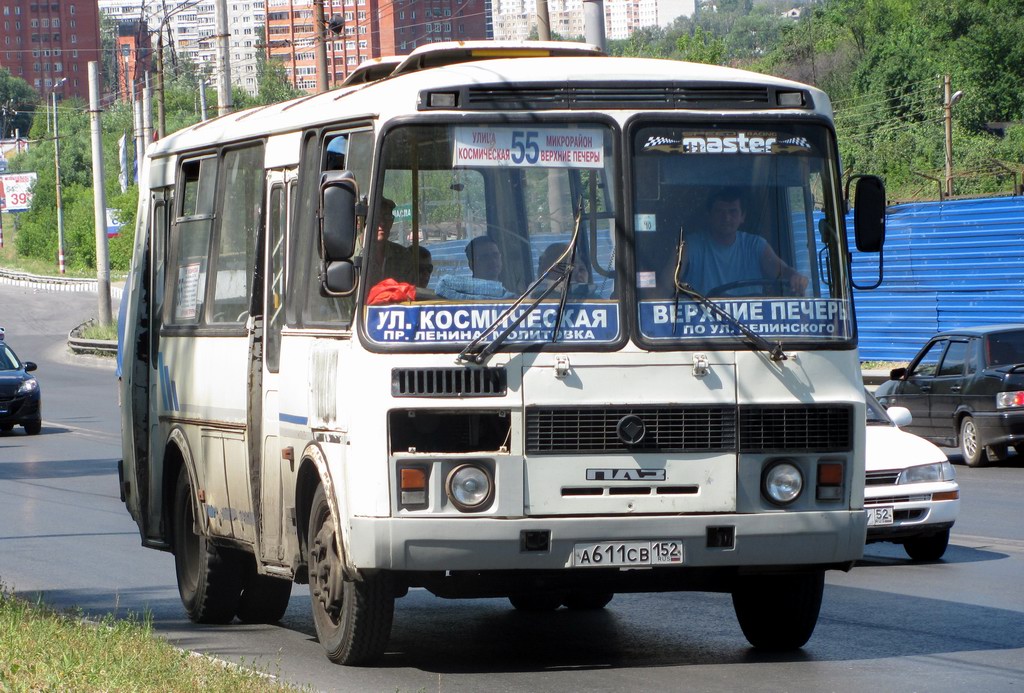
x=470 y=488
x=782 y=482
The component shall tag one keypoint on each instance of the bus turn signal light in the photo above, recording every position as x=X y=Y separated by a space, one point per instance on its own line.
x=830 y=481
x=413 y=486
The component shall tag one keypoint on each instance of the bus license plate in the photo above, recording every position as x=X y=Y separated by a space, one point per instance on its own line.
x=879 y=516
x=619 y=554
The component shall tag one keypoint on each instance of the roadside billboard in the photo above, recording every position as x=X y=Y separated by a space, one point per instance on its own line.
x=16 y=191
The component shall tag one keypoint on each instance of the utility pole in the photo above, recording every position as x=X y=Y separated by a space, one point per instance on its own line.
x=320 y=25
x=147 y=112
x=161 y=123
x=56 y=165
x=224 y=103
x=948 y=101
x=543 y=21
x=593 y=23
x=99 y=196
x=202 y=99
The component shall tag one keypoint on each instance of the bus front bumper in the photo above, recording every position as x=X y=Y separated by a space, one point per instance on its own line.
x=461 y=544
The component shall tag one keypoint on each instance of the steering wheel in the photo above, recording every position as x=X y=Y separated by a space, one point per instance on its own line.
x=768 y=287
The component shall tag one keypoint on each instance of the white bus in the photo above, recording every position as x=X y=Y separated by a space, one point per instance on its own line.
x=514 y=385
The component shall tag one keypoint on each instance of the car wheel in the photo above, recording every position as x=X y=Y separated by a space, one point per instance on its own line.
x=6 y=427
x=209 y=577
x=930 y=548
x=535 y=602
x=970 y=447
x=33 y=427
x=352 y=617
x=778 y=612
x=587 y=601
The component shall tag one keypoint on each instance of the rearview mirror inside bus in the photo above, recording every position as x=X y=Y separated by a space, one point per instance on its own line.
x=869 y=214
x=338 y=227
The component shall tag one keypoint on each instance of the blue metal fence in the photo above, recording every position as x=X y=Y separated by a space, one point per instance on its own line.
x=947 y=264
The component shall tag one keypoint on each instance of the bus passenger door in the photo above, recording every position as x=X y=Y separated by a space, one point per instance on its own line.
x=272 y=471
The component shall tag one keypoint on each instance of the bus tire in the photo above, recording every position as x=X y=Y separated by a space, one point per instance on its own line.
x=587 y=601
x=209 y=577
x=352 y=617
x=778 y=612
x=264 y=598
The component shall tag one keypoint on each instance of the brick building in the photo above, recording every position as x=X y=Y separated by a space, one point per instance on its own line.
x=44 y=41
x=134 y=56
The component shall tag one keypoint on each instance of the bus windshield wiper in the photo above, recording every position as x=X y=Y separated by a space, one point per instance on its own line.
x=775 y=352
x=562 y=268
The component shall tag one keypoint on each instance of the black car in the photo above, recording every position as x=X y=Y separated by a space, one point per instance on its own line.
x=966 y=389
x=20 y=402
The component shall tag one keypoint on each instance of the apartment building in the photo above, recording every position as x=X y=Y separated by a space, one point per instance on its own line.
x=189 y=32
x=517 y=19
x=46 y=41
x=364 y=29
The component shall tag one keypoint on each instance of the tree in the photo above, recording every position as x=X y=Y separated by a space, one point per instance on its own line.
x=17 y=102
x=701 y=47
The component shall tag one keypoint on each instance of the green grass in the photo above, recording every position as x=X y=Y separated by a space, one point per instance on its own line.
x=45 y=650
x=95 y=331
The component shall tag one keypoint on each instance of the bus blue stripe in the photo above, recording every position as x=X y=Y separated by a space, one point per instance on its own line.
x=292 y=419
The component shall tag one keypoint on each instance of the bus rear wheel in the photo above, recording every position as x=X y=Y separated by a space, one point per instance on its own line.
x=264 y=599
x=778 y=612
x=209 y=577
x=352 y=617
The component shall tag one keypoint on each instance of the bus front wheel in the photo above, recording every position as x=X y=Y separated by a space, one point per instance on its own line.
x=209 y=577
x=352 y=617
x=778 y=612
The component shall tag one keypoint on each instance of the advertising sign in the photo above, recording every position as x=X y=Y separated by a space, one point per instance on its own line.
x=16 y=191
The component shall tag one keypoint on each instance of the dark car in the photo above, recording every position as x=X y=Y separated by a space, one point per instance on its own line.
x=966 y=388
x=20 y=402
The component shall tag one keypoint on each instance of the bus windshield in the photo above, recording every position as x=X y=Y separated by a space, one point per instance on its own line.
x=746 y=215
x=472 y=217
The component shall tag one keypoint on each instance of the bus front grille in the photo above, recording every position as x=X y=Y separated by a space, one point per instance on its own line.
x=597 y=430
x=448 y=382
x=781 y=428
x=796 y=428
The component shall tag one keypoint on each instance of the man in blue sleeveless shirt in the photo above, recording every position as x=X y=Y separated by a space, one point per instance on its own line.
x=726 y=255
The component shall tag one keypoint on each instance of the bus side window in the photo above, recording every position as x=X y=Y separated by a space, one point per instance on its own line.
x=241 y=204
x=189 y=247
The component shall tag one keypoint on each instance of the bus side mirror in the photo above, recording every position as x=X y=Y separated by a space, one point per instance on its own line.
x=869 y=214
x=339 y=196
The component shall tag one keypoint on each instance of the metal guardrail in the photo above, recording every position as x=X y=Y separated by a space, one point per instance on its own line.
x=40 y=279
x=79 y=345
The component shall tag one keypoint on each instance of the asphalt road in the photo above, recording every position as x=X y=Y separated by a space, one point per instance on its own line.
x=887 y=625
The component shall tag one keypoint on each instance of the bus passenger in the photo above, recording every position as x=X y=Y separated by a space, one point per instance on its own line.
x=389 y=260
x=727 y=255
x=579 y=287
x=485 y=263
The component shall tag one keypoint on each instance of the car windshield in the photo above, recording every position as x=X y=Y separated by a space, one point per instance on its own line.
x=8 y=361
x=876 y=415
x=1005 y=348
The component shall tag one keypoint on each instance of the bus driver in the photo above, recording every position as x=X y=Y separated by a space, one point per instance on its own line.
x=725 y=255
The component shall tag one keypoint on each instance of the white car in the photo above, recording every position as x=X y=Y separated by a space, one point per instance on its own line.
x=911 y=495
